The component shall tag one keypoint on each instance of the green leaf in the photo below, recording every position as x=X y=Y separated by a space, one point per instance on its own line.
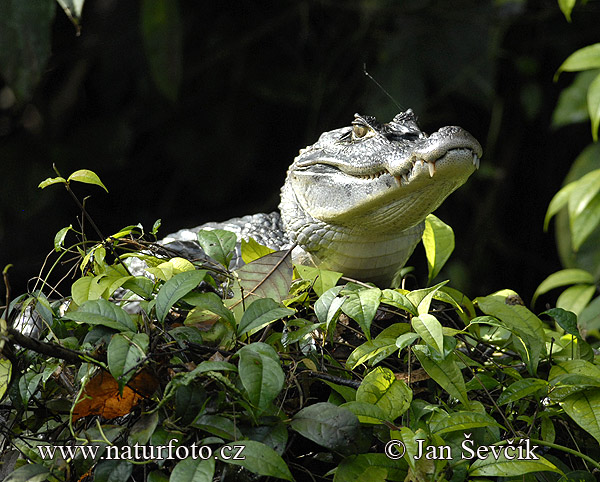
x=366 y=412
x=394 y=298
x=175 y=289
x=379 y=348
x=520 y=389
x=59 y=239
x=562 y=278
x=211 y=302
x=28 y=473
x=251 y=250
x=361 y=306
x=566 y=7
x=51 y=180
x=140 y=285
x=571 y=107
x=218 y=244
x=430 y=329
x=506 y=305
x=25 y=36
x=567 y=320
x=584 y=408
x=586 y=222
x=328 y=304
x=407 y=339
x=445 y=373
x=323 y=280
x=503 y=467
x=125 y=351
x=438 y=240
x=5 y=373
x=218 y=425
x=267 y=277
x=576 y=298
x=559 y=201
x=194 y=470
x=102 y=312
x=88 y=177
x=143 y=429
x=111 y=470
x=585 y=58
x=593 y=100
x=258 y=458
x=381 y=388
x=260 y=313
x=328 y=425
x=370 y=467
x=162 y=29
x=87 y=288
x=462 y=421
x=260 y=373
x=422 y=298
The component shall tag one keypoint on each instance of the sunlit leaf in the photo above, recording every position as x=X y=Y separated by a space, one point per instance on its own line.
x=102 y=312
x=362 y=306
x=438 y=240
x=566 y=7
x=218 y=244
x=194 y=470
x=267 y=277
x=462 y=421
x=175 y=289
x=124 y=353
x=251 y=250
x=88 y=177
x=50 y=181
x=430 y=329
x=562 y=278
x=583 y=59
x=260 y=313
x=593 y=100
x=503 y=467
x=381 y=388
x=520 y=389
x=322 y=279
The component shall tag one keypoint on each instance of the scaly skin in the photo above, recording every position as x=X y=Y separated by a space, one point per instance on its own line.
x=355 y=200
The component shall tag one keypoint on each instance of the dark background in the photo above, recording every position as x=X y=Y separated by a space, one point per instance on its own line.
x=242 y=85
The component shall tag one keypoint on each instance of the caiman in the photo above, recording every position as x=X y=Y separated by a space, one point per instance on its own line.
x=356 y=200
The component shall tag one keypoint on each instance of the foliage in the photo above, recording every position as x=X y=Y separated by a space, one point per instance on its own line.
x=577 y=204
x=284 y=373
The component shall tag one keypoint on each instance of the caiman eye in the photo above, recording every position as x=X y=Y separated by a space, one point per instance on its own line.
x=359 y=130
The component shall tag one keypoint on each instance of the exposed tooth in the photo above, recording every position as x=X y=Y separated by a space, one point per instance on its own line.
x=419 y=163
x=431 y=166
x=405 y=177
x=476 y=161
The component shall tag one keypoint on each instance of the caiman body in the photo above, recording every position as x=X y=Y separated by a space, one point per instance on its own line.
x=355 y=201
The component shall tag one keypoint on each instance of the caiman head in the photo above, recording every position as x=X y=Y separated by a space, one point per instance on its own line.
x=373 y=181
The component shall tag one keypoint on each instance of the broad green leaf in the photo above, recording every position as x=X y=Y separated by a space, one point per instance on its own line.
x=305 y=328
x=218 y=425
x=586 y=222
x=161 y=29
x=422 y=298
x=28 y=385
x=445 y=373
x=366 y=412
x=503 y=467
x=593 y=99
x=506 y=305
x=328 y=425
x=102 y=312
x=111 y=470
x=323 y=280
x=211 y=302
x=25 y=36
x=571 y=107
x=370 y=467
x=381 y=388
x=214 y=366
x=125 y=352
x=218 y=244
x=520 y=389
x=394 y=298
x=562 y=278
x=462 y=421
x=407 y=339
x=165 y=271
x=251 y=250
x=258 y=458
x=576 y=298
x=585 y=58
x=260 y=373
x=51 y=180
x=175 y=289
x=28 y=473
x=267 y=277
x=589 y=319
x=260 y=313
x=88 y=177
x=140 y=285
x=379 y=348
x=559 y=201
x=194 y=470
x=438 y=240
x=59 y=239
x=325 y=304
x=566 y=7
x=567 y=320
x=143 y=429
x=361 y=306
x=5 y=373
x=430 y=329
